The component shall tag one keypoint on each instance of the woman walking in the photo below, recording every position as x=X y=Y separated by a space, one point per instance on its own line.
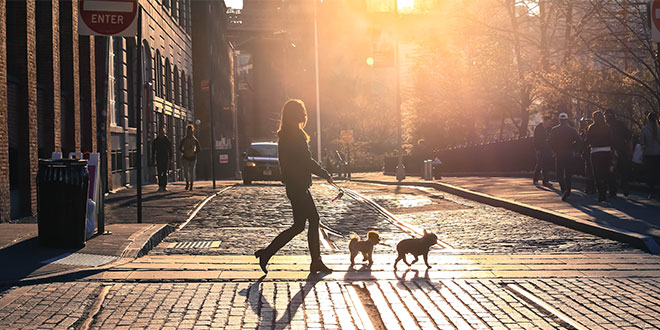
x=297 y=166
x=651 y=145
x=189 y=147
x=598 y=138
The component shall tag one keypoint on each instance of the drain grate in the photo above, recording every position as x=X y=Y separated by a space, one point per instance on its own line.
x=194 y=245
x=80 y=259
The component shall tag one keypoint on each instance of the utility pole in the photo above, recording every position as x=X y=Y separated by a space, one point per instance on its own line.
x=138 y=44
x=400 y=168
x=316 y=70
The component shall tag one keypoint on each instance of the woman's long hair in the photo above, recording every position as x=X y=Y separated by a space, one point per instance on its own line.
x=291 y=114
x=599 y=119
x=653 y=122
x=190 y=129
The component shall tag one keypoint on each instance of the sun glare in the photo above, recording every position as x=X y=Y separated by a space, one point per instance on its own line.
x=406 y=5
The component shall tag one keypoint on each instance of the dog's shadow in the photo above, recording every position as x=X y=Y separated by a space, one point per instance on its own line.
x=268 y=315
x=359 y=272
x=405 y=280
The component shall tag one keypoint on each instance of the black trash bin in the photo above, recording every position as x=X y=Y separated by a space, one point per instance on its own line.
x=62 y=188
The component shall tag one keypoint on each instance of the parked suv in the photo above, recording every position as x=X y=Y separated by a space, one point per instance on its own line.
x=261 y=163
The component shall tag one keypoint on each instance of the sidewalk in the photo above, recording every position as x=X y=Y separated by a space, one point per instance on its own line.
x=634 y=216
x=19 y=243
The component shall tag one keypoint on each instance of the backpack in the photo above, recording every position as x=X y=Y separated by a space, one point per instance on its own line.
x=189 y=148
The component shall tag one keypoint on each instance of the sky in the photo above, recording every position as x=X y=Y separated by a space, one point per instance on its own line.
x=236 y=4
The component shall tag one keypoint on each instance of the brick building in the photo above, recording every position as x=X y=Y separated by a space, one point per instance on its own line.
x=68 y=93
x=47 y=95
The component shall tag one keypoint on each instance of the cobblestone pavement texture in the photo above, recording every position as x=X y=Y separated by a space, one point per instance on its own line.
x=245 y=218
x=465 y=224
x=313 y=304
x=612 y=293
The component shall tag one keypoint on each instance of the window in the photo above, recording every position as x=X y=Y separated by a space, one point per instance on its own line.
x=132 y=159
x=168 y=80
x=117 y=160
x=118 y=63
x=177 y=90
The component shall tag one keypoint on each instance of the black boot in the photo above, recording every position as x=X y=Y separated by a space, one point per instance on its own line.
x=263 y=257
x=319 y=266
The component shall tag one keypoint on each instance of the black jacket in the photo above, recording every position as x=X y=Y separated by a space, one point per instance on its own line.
x=296 y=162
x=564 y=140
x=621 y=137
x=161 y=150
x=599 y=135
x=540 y=137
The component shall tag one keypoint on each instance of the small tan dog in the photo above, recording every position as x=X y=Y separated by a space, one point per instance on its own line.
x=366 y=247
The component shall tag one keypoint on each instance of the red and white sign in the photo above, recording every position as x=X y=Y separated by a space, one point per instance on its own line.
x=655 y=20
x=224 y=159
x=346 y=136
x=108 y=17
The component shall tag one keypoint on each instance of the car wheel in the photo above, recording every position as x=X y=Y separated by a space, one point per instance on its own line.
x=247 y=181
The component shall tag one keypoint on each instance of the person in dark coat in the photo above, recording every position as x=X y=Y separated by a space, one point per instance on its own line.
x=599 y=140
x=161 y=154
x=543 y=152
x=297 y=166
x=564 y=140
x=622 y=145
x=586 y=157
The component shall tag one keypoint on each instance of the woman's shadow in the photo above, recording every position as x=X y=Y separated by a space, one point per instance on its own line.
x=262 y=308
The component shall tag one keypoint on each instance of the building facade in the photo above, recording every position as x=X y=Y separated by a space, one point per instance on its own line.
x=47 y=95
x=63 y=92
x=167 y=97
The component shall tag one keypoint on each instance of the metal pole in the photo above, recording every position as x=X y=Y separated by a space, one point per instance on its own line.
x=400 y=168
x=316 y=70
x=237 y=173
x=212 y=130
x=139 y=117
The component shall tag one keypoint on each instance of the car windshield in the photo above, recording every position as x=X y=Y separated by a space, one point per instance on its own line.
x=262 y=150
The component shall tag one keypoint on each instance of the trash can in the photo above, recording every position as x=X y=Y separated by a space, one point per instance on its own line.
x=62 y=187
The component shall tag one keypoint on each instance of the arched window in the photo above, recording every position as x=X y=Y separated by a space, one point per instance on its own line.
x=158 y=75
x=177 y=90
x=184 y=90
x=168 y=80
x=166 y=3
x=148 y=62
x=190 y=95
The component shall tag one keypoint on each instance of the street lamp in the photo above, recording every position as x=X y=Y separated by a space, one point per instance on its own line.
x=400 y=168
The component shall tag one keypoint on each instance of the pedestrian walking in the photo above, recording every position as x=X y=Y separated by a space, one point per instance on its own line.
x=590 y=185
x=651 y=146
x=543 y=152
x=622 y=153
x=599 y=142
x=189 y=148
x=297 y=166
x=564 y=140
x=161 y=154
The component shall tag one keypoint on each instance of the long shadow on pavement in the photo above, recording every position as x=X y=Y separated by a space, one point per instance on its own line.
x=261 y=307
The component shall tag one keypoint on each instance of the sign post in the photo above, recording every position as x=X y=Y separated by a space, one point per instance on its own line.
x=346 y=136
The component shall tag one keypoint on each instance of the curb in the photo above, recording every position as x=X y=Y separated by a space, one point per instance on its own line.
x=143 y=242
x=640 y=241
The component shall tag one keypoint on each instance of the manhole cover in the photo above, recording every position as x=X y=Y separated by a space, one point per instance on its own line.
x=194 y=245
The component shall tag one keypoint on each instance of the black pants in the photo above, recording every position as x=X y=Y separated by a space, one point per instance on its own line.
x=564 y=165
x=588 y=173
x=543 y=159
x=303 y=210
x=621 y=172
x=601 y=162
x=652 y=168
x=162 y=167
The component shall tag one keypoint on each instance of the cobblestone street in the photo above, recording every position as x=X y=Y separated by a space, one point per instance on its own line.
x=494 y=269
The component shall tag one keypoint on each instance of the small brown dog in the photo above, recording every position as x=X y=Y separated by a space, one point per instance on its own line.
x=366 y=247
x=416 y=247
